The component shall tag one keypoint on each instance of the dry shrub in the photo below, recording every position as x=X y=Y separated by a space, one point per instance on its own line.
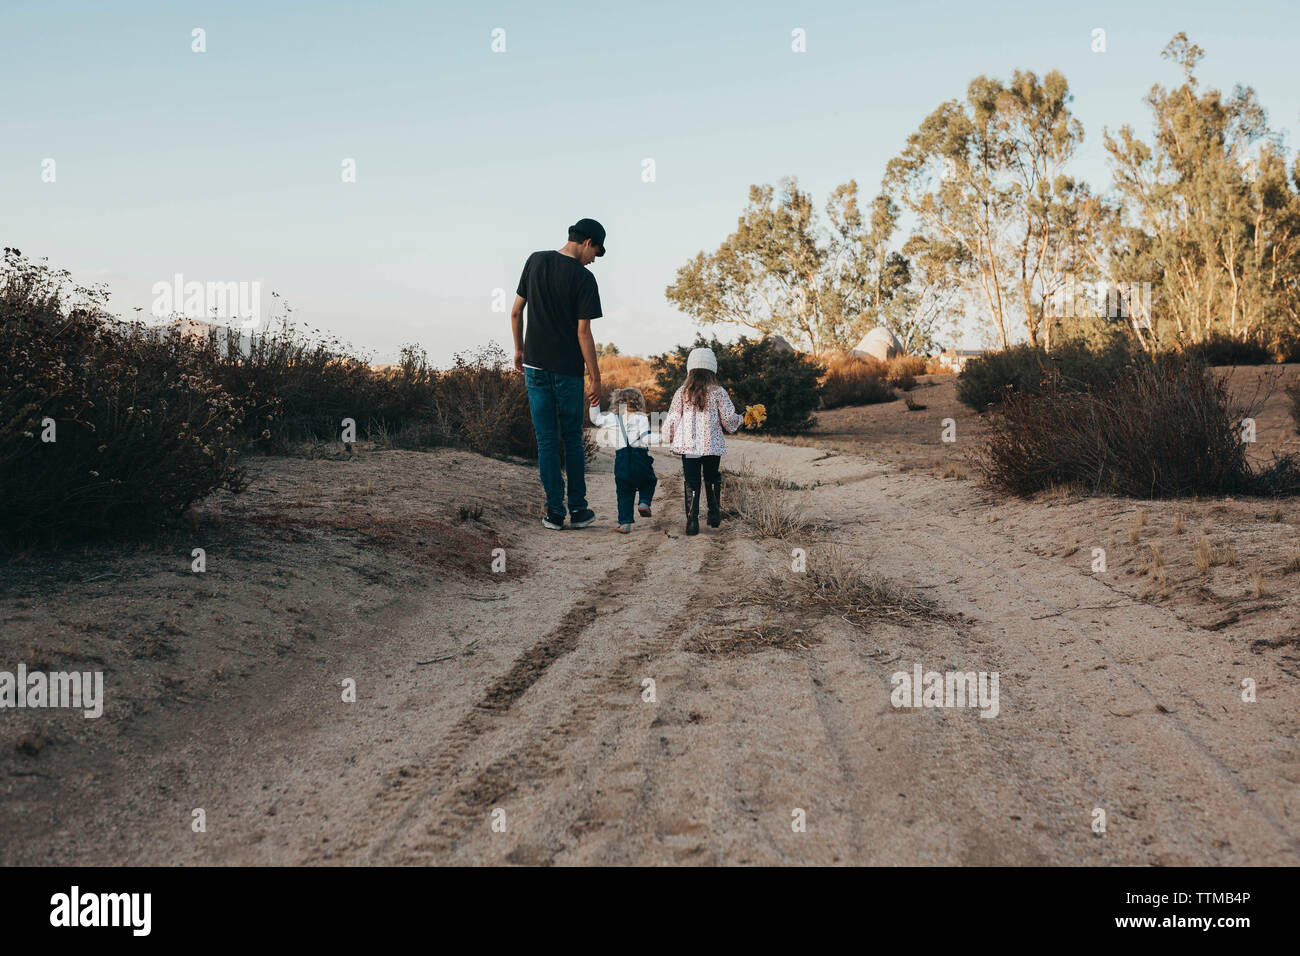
x=854 y=380
x=1165 y=428
x=480 y=403
x=139 y=428
x=903 y=370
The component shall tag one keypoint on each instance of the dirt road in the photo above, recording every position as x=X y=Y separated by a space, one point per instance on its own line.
x=515 y=724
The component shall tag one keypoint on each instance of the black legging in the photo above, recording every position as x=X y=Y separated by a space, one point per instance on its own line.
x=691 y=469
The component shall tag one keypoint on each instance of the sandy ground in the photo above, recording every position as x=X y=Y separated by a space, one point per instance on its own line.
x=507 y=718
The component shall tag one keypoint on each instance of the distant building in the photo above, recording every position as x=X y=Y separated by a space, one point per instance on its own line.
x=956 y=359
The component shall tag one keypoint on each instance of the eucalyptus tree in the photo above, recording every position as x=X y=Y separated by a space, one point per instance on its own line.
x=784 y=270
x=1217 y=210
x=985 y=179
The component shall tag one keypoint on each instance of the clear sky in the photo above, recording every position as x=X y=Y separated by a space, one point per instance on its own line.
x=226 y=165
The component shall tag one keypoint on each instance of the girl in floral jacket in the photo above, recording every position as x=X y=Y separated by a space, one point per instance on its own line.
x=701 y=409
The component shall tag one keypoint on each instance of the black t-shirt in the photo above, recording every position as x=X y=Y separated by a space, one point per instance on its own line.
x=559 y=291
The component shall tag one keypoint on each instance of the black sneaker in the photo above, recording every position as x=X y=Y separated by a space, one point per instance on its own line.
x=553 y=520
x=580 y=519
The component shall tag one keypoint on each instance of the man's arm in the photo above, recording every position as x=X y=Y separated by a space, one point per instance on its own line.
x=517 y=327
x=588 y=346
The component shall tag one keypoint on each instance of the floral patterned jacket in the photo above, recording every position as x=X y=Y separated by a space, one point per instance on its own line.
x=693 y=432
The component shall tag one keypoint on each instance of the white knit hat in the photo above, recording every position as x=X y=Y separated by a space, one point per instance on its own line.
x=702 y=358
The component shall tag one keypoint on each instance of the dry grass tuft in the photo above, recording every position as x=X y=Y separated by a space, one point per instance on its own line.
x=1155 y=563
x=1257 y=585
x=1207 y=556
x=1179 y=524
x=838 y=585
x=1135 y=534
x=1293 y=565
x=1204 y=555
x=765 y=505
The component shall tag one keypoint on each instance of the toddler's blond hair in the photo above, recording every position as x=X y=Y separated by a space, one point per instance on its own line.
x=631 y=397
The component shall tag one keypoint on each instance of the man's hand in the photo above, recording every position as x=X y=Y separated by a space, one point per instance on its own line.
x=588 y=346
x=517 y=331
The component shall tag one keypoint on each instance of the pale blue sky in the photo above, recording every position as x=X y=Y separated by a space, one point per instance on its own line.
x=225 y=165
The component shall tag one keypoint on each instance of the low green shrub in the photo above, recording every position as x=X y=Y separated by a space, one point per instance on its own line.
x=754 y=372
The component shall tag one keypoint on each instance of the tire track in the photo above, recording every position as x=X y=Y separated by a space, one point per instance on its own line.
x=493 y=710
x=541 y=755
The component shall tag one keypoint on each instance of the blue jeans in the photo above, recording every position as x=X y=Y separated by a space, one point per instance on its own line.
x=557 y=403
x=634 y=474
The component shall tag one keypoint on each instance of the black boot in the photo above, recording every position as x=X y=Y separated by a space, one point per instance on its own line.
x=692 y=509
x=713 y=492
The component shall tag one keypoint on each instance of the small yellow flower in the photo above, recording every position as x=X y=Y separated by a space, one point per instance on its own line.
x=755 y=415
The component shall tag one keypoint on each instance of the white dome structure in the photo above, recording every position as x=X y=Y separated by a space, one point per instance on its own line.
x=880 y=343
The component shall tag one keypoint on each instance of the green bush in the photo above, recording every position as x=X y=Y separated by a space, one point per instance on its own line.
x=988 y=380
x=140 y=430
x=754 y=372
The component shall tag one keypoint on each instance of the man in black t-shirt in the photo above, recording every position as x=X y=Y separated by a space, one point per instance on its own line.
x=562 y=299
